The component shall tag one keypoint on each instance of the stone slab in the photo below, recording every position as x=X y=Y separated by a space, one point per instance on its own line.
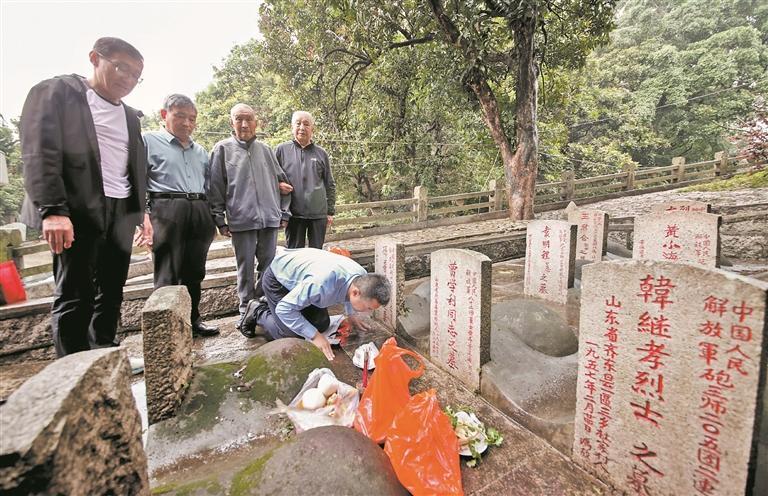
x=671 y=358
x=591 y=233
x=460 y=311
x=390 y=262
x=167 y=342
x=74 y=429
x=691 y=237
x=550 y=259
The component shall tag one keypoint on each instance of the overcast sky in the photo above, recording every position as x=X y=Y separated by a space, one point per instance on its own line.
x=180 y=42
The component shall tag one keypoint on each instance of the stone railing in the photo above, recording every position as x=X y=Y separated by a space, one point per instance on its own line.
x=421 y=210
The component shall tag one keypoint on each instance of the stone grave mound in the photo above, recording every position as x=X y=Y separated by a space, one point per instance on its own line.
x=324 y=460
x=535 y=324
x=533 y=369
x=415 y=321
x=227 y=403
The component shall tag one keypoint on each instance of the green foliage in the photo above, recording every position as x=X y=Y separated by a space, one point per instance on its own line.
x=11 y=194
x=678 y=78
x=673 y=82
x=752 y=179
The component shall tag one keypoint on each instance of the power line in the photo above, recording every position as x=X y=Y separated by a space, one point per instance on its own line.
x=732 y=88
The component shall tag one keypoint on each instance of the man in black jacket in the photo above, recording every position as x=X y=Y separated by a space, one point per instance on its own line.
x=85 y=178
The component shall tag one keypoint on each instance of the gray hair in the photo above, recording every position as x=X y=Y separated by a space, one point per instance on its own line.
x=240 y=106
x=374 y=286
x=108 y=46
x=178 y=100
x=298 y=112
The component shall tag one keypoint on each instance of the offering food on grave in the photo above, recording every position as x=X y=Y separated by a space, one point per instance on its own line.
x=332 y=399
x=328 y=385
x=313 y=399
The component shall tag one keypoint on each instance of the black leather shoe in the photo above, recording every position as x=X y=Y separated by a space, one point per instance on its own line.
x=248 y=323
x=204 y=330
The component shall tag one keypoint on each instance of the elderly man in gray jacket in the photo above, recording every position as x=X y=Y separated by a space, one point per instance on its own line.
x=250 y=199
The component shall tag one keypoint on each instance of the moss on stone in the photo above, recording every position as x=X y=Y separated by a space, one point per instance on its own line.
x=280 y=374
x=210 y=486
x=247 y=480
x=203 y=402
x=752 y=179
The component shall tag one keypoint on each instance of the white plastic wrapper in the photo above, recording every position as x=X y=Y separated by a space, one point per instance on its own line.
x=341 y=412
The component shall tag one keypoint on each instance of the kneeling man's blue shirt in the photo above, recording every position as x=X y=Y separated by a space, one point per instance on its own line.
x=313 y=277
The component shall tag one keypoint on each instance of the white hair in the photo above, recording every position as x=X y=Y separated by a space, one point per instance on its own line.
x=300 y=113
x=238 y=107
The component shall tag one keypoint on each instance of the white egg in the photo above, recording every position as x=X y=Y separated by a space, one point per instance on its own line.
x=313 y=399
x=328 y=385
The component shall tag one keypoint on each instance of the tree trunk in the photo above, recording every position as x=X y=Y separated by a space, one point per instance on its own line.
x=521 y=170
x=521 y=165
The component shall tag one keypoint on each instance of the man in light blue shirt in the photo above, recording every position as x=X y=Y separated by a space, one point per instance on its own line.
x=301 y=284
x=178 y=225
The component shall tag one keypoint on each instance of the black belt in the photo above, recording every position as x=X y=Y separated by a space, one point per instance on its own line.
x=185 y=196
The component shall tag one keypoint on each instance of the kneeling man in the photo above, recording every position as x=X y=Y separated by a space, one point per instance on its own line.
x=301 y=284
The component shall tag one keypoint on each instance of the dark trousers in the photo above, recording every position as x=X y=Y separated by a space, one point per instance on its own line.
x=274 y=292
x=298 y=230
x=260 y=243
x=89 y=279
x=183 y=232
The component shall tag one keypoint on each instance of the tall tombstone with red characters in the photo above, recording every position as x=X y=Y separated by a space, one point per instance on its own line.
x=390 y=262
x=691 y=237
x=681 y=206
x=549 y=259
x=460 y=313
x=670 y=382
x=591 y=233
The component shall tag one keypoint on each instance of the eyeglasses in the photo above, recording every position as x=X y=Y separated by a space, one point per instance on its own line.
x=123 y=69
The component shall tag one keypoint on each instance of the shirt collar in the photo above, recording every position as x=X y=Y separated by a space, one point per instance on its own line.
x=170 y=138
x=303 y=147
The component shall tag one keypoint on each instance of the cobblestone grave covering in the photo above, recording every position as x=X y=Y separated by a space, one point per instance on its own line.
x=591 y=234
x=692 y=237
x=669 y=373
x=681 y=206
x=390 y=262
x=549 y=259
x=460 y=310
x=74 y=429
x=167 y=333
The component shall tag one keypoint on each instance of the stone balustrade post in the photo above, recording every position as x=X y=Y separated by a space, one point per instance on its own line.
x=679 y=162
x=420 y=204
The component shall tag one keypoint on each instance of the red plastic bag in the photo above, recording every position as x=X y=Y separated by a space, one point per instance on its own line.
x=387 y=392
x=423 y=448
x=10 y=283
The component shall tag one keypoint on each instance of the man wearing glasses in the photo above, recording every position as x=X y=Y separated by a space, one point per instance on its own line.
x=85 y=179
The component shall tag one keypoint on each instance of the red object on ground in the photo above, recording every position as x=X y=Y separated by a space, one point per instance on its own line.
x=340 y=251
x=387 y=393
x=423 y=448
x=10 y=283
x=365 y=370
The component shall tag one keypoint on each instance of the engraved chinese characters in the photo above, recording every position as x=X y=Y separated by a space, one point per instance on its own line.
x=681 y=206
x=549 y=259
x=460 y=327
x=591 y=235
x=390 y=262
x=669 y=365
x=678 y=237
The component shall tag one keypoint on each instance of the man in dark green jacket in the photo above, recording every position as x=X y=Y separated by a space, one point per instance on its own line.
x=313 y=201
